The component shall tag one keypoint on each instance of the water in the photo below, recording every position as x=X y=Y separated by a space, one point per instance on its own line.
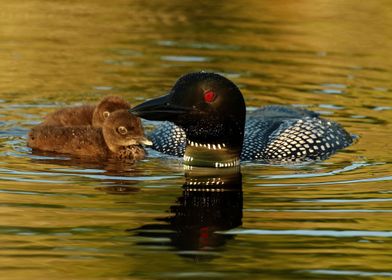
x=67 y=219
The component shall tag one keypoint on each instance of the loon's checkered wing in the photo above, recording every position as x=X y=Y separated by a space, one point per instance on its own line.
x=294 y=140
x=169 y=139
x=256 y=137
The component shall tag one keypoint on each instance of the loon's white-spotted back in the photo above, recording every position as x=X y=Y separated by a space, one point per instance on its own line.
x=207 y=125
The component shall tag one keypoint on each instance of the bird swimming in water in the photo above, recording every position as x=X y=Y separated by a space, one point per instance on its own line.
x=207 y=125
x=86 y=114
x=120 y=137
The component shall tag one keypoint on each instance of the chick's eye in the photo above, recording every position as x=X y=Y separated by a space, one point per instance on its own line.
x=122 y=130
x=209 y=96
x=106 y=114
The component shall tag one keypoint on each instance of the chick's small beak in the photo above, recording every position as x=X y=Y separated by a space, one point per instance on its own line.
x=145 y=141
x=139 y=140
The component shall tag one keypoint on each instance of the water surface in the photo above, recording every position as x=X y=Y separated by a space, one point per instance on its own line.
x=68 y=219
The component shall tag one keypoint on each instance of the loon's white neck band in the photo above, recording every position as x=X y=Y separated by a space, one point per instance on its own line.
x=217 y=155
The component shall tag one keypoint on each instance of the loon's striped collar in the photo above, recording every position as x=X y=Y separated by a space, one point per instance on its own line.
x=215 y=155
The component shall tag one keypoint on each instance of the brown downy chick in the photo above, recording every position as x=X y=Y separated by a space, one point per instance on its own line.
x=120 y=137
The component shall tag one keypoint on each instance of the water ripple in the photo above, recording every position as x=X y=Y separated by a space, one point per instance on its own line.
x=321 y=210
x=185 y=58
x=328 y=233
x=349 y=272
x=365 y=180
x=351 y=167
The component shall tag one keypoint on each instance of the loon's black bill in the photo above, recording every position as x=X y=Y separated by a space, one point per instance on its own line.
x=159 y=109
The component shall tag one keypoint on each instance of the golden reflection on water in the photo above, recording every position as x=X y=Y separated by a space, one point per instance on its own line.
x=67 y=219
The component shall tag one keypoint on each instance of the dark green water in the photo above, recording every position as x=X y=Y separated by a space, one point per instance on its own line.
x=64 y=219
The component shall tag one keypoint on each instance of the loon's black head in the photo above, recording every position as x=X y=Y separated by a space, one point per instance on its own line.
x=211 y=111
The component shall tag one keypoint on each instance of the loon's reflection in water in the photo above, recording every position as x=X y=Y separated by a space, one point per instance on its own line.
x=211 y=201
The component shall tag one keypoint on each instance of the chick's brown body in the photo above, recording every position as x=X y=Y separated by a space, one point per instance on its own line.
x=120 y=137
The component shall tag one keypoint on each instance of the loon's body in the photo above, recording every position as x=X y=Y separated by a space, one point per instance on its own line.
x=272 y=134
x=207 y=126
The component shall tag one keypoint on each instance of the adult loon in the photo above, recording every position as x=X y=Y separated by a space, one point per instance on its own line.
x=210 y=128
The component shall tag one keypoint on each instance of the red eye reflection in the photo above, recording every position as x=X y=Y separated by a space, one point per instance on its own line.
x=209 y=96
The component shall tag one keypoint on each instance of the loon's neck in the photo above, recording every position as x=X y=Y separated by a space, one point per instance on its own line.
x=216 y=155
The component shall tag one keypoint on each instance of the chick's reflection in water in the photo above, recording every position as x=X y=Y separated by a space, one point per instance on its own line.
x=110 y=175
x=211 y=201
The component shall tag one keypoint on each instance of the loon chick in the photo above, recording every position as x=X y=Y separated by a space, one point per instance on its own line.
x=120 y=137
x=210 y=128
x=86 y=114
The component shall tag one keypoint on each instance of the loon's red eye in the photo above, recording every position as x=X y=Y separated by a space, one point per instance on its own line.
x=209 y=96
